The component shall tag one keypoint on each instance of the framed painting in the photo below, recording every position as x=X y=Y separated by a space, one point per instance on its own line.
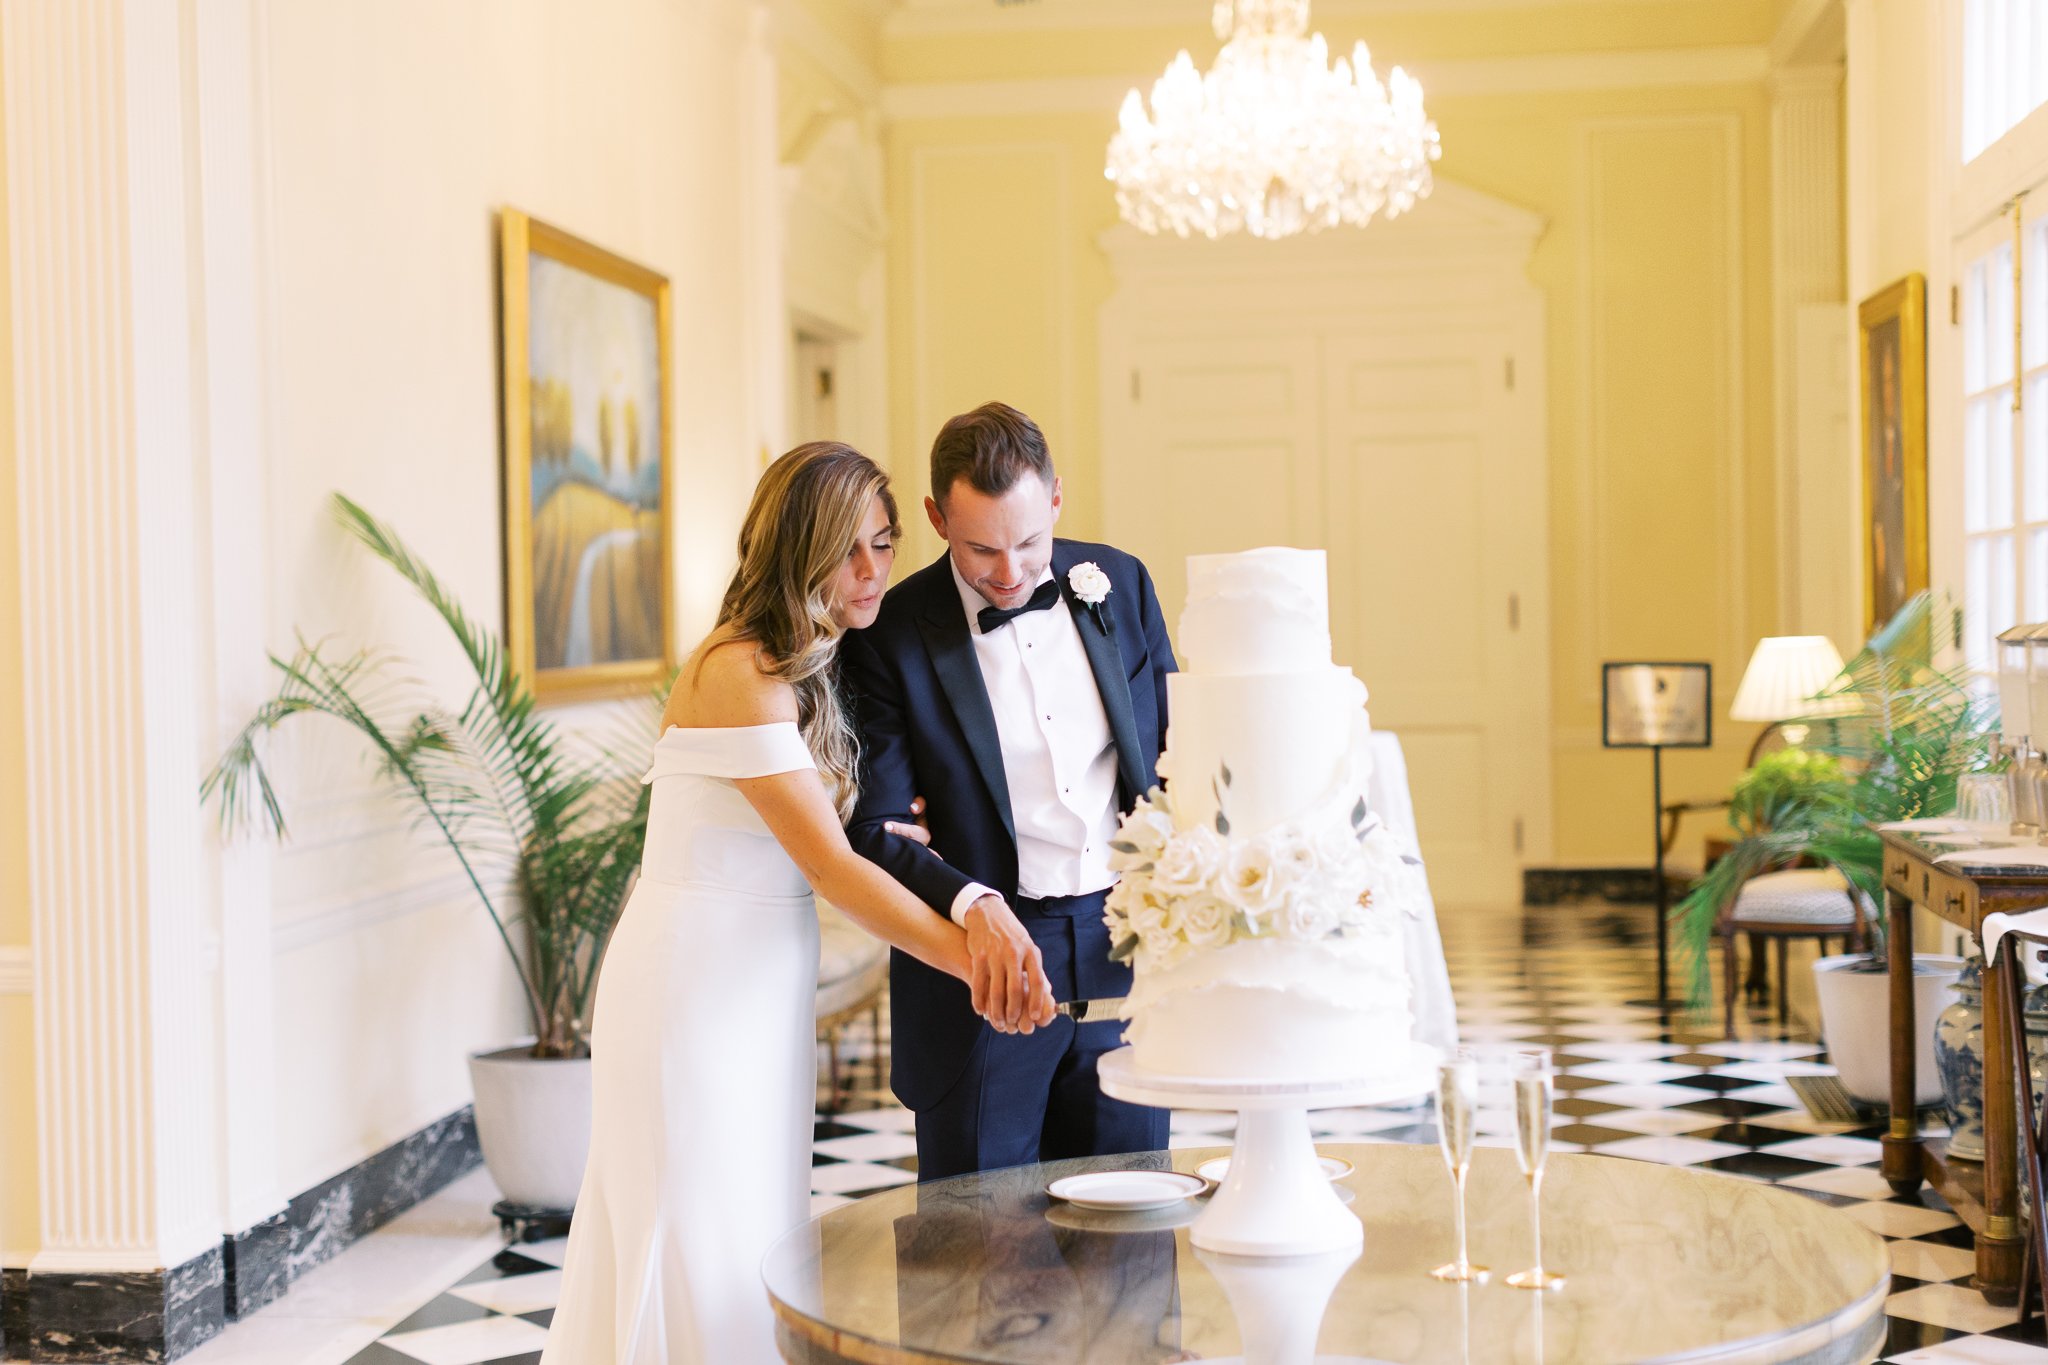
x=589 y=465
x=1892 y=366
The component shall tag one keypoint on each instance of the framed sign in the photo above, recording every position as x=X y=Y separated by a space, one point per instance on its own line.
x=589 y=465
x=1657 y=706
x=1892 y=348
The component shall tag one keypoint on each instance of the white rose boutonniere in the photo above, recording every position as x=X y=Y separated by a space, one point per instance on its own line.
x=1090 y=586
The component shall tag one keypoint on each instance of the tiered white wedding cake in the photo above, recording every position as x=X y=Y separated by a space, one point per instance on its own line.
x=1261 y=898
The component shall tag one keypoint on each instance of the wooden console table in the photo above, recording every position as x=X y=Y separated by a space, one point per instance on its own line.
x=1985 y=1197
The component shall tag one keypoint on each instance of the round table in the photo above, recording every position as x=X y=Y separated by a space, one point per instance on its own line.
x=1663 y=1264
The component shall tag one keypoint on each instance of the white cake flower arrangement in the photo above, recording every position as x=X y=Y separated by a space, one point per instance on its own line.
x=1190 y=890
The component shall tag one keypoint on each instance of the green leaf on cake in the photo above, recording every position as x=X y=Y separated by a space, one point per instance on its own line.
x=1226 y=774
x=1124 y=948
x=1358 y=814
x=1222 y=825
x=1123 y=846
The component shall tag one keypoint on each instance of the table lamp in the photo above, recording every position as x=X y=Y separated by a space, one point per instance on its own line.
x=1780 y=684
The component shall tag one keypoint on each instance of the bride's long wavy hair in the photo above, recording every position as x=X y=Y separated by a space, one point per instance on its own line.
x=801 y=526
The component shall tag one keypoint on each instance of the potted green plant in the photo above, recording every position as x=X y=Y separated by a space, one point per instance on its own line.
x=1909 y=728
x=547 y=829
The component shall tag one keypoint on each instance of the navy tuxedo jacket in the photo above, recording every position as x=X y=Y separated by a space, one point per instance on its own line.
x=926 y=728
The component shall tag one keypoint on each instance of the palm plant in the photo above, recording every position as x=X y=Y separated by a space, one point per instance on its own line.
x=1910 y=729
x=548 y=833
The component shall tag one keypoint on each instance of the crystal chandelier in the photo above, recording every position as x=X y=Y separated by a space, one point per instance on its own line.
x=1273 y=140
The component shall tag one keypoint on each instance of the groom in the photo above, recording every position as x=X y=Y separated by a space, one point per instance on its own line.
x=1020 y=684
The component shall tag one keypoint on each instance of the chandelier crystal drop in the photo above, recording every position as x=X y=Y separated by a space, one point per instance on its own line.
x=1273 y=140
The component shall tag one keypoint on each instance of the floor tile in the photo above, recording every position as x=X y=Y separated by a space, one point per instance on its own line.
x=1901 y=1220
x=1834 y=1150
x=885 y=1146
x=515 y=1294
x=1949 y=1305
x=1634 y=1072
x=1860 y=1181
x=468 y=1343
x=1930 y=1262
x=1642 y=1096
x=845 y=1177
x=1670 y=1151
x=549 y=1252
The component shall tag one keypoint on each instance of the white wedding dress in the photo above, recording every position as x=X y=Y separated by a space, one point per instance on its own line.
x=704 y=1072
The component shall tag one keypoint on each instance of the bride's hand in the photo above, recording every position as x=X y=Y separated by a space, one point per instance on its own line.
x=920 y=832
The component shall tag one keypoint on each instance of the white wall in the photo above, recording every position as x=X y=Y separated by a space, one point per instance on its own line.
x=394 y=132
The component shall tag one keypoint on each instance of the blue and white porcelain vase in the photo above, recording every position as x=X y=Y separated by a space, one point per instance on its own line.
x=1959 y=1053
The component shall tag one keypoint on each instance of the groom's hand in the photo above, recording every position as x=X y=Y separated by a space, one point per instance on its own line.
x=1007 y=976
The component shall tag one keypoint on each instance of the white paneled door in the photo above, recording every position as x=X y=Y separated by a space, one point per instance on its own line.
x=1398 y=457
x=1389 y=411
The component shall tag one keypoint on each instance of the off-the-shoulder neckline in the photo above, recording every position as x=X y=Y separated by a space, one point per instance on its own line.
x=723 y=729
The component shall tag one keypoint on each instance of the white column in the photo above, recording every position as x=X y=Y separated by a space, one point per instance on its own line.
x=1807 y=268
x=98 y=170
x=236 y=260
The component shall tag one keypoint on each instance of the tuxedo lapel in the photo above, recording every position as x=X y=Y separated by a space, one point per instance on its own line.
x=1107 y=663
x=951 y=647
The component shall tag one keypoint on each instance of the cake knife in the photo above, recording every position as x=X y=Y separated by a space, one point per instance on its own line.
x=1086 y=1011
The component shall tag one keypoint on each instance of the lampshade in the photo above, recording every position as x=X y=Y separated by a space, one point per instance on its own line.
x=1783 y=676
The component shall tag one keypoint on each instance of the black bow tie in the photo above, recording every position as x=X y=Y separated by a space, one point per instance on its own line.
x=995 y=618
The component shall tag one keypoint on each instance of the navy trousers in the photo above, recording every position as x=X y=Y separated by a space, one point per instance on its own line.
x=1034 y=1097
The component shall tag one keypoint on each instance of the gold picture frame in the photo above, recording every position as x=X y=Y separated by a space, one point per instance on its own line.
x=589 y=488
x=1891 y=355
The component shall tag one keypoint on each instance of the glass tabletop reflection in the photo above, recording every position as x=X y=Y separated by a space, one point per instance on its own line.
x=1662 y=1264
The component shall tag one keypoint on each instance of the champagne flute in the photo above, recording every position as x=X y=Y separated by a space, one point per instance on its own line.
x=1457 y=1100
x=1533 y=1082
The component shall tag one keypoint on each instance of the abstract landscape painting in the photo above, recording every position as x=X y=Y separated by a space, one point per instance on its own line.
x=588 y=465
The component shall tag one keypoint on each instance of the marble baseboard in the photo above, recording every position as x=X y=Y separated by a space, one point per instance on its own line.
x=158 y=1316
x=13 y=1314
x=1613 y=885
x=146 y=1316
x=258 y=1265
x=327 y=1219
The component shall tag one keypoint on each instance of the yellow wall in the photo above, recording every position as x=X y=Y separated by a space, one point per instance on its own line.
x=1655 y=265
x=18 y=1235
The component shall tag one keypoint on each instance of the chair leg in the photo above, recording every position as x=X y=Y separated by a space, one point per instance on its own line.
x=1784 y=981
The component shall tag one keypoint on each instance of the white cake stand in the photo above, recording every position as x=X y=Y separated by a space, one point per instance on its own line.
x=1275 y=1199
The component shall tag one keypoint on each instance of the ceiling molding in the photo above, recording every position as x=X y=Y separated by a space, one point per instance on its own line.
x=918 y=18
x=800 y=29
x=1479 y=76
x=1810 y=23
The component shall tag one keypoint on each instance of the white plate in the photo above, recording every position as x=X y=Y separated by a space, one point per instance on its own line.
x=1216 y=1167
x=1126 y=1190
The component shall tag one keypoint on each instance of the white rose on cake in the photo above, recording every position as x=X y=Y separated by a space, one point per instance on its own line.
x=1311 y=916
x=1141 y=839
x=1255 y=878
x=1336 y=861
x=1187 y=863
x=1205 y=922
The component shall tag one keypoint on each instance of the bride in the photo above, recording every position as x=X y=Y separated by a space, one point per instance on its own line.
x=702 y=1040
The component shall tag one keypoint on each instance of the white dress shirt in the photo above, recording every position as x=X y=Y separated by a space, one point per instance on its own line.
x=1059 y=758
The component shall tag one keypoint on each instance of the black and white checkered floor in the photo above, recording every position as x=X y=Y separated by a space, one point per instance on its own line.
x=1628 y=1087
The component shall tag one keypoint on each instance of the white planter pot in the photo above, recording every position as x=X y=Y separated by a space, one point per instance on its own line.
x=1855 y=1022
x=533 y=1122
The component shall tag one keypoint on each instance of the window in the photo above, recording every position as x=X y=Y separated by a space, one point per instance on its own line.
x=2005 y=454
x=2005 y=67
